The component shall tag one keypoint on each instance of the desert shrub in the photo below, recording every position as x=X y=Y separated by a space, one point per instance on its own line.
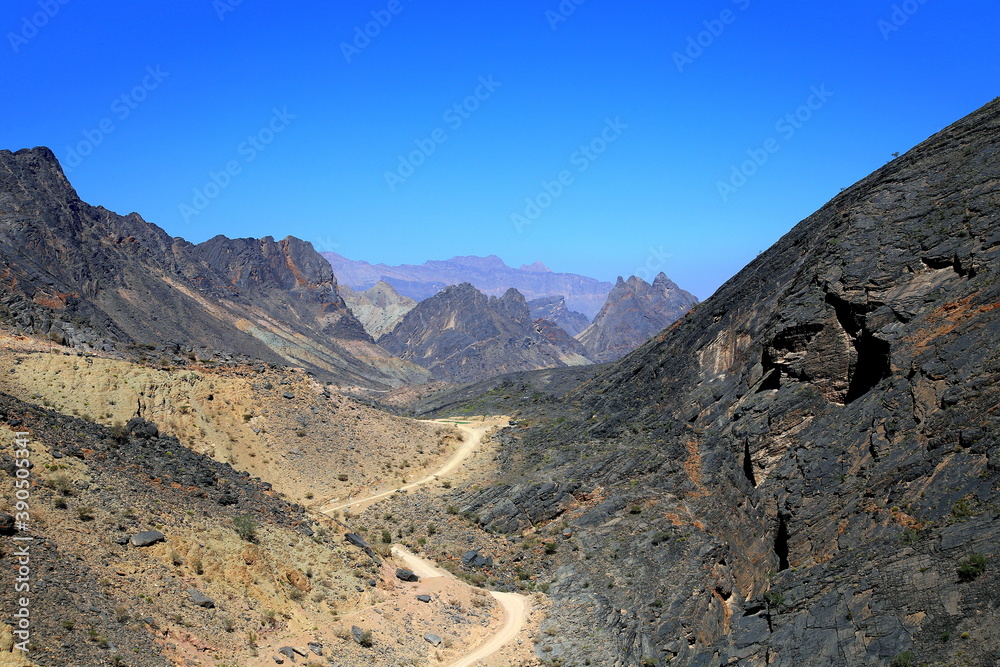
x=972 y=567
x=246 y=528
x=904 y=659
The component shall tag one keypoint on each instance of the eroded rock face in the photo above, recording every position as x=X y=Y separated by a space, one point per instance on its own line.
x=634 y=312
x=88 y=277
x=464 y=336
x=794 y=473
x=554 y=309
x=379 y=308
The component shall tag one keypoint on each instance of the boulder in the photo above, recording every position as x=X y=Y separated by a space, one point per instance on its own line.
x=406 y=575
x=200 y=598
x=147 y=538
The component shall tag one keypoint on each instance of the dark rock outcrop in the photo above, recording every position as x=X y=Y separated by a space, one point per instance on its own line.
x=802 y=471
x=464 y=336
x=634 y=312
x=91 y=278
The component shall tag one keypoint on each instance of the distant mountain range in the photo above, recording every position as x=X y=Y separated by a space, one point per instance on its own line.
x=490 y=275
x=94 y=279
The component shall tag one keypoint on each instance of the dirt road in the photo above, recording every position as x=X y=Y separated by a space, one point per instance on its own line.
x=515 y=608
x=473 y=436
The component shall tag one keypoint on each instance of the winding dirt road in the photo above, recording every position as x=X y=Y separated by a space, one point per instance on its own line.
x=515 y=607
x=474 y=435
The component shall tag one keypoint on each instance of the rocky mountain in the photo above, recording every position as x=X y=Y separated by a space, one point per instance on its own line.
x=803 y=471
x=462 y=335
x=489 y=275
x=86 y=275
x=379 y=308
x=553 y=309
x=634 y=312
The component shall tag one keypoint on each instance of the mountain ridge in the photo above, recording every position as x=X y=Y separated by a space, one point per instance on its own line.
x=490 y=275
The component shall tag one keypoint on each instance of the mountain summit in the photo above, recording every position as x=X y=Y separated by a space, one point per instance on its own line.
x=462 y=335
x=634 y=312
x=96 y=279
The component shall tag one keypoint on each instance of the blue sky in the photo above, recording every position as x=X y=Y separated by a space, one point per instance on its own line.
x=593 y=137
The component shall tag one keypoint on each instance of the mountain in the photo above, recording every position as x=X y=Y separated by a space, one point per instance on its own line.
x=489 y=275
x=803 y=471
x=462 y=335
x=99 y=280
x=634 y=312
x=553 y=309
x=379 y=308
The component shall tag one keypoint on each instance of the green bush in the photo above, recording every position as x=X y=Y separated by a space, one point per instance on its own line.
x=972 y=567
x=246 y=528
x=904 y=659
x=774 y=599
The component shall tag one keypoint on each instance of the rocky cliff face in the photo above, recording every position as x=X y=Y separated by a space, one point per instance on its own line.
x=462 y=335
x=806 y=469
x=553 y=309
x=634 y=312
x=379 y=309
x=88 y=276
x=489 y=275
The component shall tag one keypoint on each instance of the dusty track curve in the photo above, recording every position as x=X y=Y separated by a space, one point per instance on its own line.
x=474 y=437
x=515 y=607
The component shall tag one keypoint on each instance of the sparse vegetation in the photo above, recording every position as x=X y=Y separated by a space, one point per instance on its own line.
x=971 y=567
x=904 y=659
x=246 y=528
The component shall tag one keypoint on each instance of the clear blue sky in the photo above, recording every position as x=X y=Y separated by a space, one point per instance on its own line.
x=200 y=78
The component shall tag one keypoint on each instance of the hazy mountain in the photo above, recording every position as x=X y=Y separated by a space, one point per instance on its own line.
x=379 y=308
x=553 y=309
x=94 y=278
x=803 y=471
x=634 y=312
x=462 y=335
x=487 y=274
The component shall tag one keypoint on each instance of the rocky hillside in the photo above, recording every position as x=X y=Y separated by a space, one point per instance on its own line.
x=634 y=312
x=83 y=274
x=461 y=335
x=167 y=527
x=553 y=309
x=379 y=308
x=489 y=275
x=806 y=469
